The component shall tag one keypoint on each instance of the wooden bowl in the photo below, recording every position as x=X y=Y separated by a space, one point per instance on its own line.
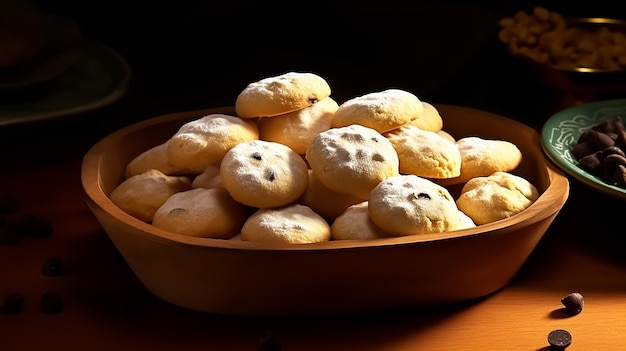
x=234 y=277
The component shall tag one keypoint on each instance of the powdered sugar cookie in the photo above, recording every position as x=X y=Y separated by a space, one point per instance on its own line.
x=204 y=213
x=355 y=224
x=382 y=110
x=205 y=140
x=298 y=129
x=444 y=134
x=352 y=159
x=292 y=224
x=482 y=157
x=325 y=202
x=429 y=119
x=408 y=204
x=141 y=195
x=465 y=221
x=497 y=196
x=425 y=153
x=209 y=178
x=156 y=158
x=264 y=174
x=281 y=94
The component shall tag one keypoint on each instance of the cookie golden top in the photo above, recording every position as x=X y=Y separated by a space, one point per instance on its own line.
x=382 y=110
x=281 y=94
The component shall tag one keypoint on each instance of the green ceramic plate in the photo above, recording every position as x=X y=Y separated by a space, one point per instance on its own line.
x=98 y=78
x=562 y=131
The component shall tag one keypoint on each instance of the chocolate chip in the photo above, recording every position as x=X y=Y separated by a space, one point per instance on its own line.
x=601 y=151
x=596 y=140
x=270 y=174
x=619 y=177
x=591 y=163
x=573 y=302
x=52 y=302
x=559 y=339
x=610 y=163
x=582 y=149
x=600 y=140
x=12 y=303
x=604 y=126
x=53 y=267
x=612 y=150
x=34 y=226
x=620 y=140
x=610 y=126
x=269 y=342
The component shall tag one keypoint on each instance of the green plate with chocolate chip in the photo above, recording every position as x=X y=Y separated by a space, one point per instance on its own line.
x=561 y=133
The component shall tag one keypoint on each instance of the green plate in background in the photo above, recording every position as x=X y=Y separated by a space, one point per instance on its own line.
x=97 y=78
x=562 y=130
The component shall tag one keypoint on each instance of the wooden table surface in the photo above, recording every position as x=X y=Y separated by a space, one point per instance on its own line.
x=107 y=308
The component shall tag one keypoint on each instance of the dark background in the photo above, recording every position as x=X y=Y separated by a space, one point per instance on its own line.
x=188 y=55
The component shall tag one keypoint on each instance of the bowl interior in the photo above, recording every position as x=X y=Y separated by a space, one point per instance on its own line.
x=105 y=165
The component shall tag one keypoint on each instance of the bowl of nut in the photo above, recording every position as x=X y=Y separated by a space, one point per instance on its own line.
x=290 y=203
x=584 y=57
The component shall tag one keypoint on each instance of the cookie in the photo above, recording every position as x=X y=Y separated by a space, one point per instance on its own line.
x=298 y=129
x=156 y=158
x=281 y=94
x=408 y=204
x=352 y=159
x=382 y=110
x=209 y=178
x=205 y=140
x=444 y=134
x=355 y=224
x=465 y=221
x=482 y=157
x=429 y=119
x=264 y=174
x=292 y=224
x=141 y=195
x=325 y=202
x=204 y=213
x=497 y=196
x=425 y=153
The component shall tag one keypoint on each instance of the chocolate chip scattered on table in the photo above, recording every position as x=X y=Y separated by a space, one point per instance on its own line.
x=15 y=224
x=573 y=302
x=53 y=267
x=559 y=339
x=12 y=303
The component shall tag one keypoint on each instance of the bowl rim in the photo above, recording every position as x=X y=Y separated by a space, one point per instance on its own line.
x=94 y=194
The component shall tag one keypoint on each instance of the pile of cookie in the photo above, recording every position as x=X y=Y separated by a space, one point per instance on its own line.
x=294 y=166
